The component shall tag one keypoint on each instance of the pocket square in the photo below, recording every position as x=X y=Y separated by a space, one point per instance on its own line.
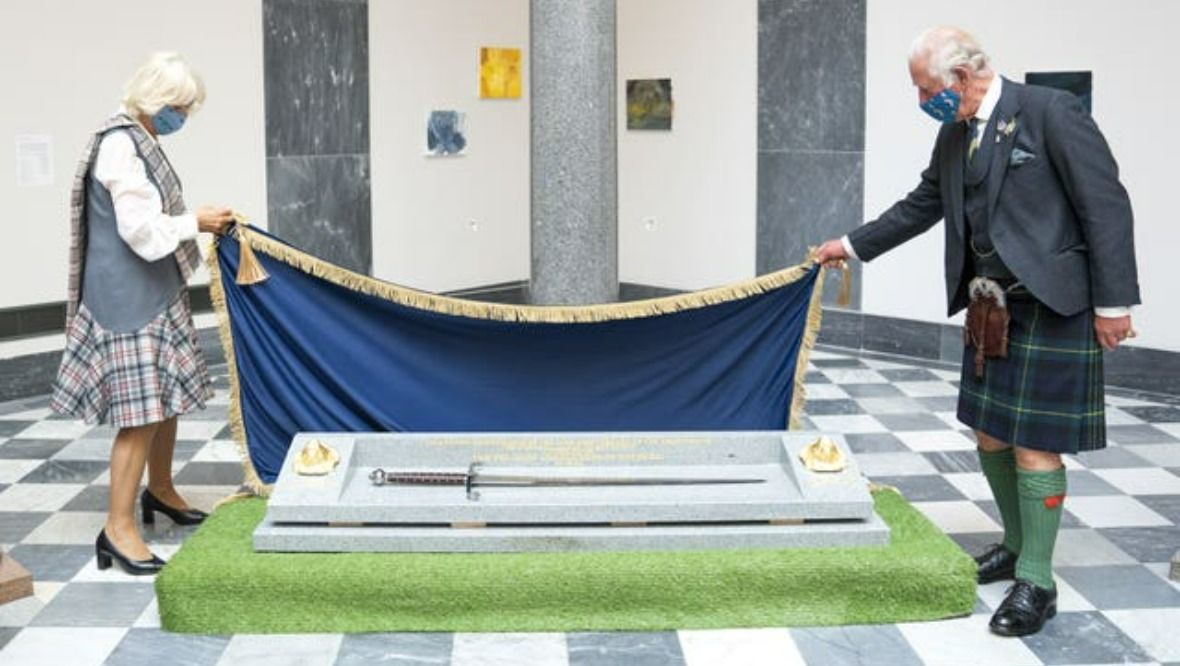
x=1020 y=156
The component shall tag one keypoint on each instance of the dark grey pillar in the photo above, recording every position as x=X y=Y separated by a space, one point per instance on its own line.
x=574 y=167
x=316 y=78
x=811 y=118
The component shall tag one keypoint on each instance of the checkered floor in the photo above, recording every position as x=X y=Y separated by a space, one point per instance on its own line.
x=1118 y=534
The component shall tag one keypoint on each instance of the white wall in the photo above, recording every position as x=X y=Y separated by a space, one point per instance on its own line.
x=1123 y=45
x=697 y=183
x=424 y=55
x=63 y=66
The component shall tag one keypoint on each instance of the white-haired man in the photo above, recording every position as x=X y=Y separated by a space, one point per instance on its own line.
x=1039 y=249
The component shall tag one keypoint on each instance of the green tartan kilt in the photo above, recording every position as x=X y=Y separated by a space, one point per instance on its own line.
x=1048 y=394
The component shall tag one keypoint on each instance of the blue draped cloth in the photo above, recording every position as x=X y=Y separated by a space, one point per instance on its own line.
x=313 y=355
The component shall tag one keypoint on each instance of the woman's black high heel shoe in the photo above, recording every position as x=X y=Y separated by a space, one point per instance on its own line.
x=150 y=505
x=106 y=554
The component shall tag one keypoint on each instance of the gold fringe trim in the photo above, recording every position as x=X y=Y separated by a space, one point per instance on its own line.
x=815 y=315
x=236 y=425
x=524 y=313
x=496 y=311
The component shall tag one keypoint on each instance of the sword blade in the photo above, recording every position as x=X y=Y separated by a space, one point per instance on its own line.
x=559 y=481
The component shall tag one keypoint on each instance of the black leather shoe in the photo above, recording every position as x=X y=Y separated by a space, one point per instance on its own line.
x=150 y=505
x=996 y=563
x=1025 y=610
x=106 y=554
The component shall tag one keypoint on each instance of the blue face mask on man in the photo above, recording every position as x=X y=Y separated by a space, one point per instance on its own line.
x=944 y=106
x=167 y=120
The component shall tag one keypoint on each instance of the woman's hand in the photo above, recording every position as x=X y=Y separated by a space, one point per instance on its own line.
x=213 y=219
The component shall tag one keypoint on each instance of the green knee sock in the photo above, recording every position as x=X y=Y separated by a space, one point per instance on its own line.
x=1042 y=496
x=999 y=467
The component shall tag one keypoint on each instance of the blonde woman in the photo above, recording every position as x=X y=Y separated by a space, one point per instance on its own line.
x=131 y=358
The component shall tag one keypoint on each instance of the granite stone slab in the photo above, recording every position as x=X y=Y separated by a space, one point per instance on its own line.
x=788 y=506
x=788 y=491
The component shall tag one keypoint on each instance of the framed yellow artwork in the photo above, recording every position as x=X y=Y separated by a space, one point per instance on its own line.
x=499 y=73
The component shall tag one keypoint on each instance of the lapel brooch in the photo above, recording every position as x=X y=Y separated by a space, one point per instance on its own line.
x=1005 y=128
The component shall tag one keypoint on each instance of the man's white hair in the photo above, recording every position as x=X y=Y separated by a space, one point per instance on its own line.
x=164 y=80
x=943 y=48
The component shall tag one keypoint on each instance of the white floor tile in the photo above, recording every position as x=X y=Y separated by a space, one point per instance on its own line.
x=965 y=642
x=1156 y=629
x=150 y=618
x=27 y=415
x=747 y=647
x=38 y=496
x=88 y=448
x=1163 y=455
x=936 y=440
x=281 y=649
x=957 y=516
x=55 y=430
x=1113 y=511
x=1141 y=480
x=192 y=429
x=12 y=471
x=20 y=612
x=219 y=450
x=1172 y=429
x=853 y=376
x=900 y=463
x=825 y=392
x=847 y=423
x=948 y=375
x=1086 y=548
x=951 y=419
x=1116 y=416
x=80 y=527
x=538 y=649
x=971 y=484
x=60 y=646
x=930 y=389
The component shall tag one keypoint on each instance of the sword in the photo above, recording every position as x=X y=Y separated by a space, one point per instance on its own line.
x=474 y=477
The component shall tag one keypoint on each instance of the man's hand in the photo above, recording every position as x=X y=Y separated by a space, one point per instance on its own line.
x=831 y=254
x=1111 y=331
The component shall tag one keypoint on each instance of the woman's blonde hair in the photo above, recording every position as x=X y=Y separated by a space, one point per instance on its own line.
x=164 y=80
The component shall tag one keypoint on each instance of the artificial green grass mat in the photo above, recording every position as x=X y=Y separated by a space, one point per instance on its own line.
x=216 y=583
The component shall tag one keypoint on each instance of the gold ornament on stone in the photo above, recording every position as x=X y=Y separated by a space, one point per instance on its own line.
x=823 y=455
x=316 y=459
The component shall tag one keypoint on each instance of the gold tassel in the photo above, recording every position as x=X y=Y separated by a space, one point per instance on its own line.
x=250 y=270
x=844 y=298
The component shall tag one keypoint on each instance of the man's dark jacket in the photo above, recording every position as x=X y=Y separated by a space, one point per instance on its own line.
x=1058 y=215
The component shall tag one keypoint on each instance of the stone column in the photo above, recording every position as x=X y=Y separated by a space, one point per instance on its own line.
x=574 y=167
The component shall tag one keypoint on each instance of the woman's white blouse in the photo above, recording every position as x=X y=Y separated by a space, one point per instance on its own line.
x=139 y=211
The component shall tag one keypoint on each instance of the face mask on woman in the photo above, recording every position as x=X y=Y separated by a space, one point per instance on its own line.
x=167 y=120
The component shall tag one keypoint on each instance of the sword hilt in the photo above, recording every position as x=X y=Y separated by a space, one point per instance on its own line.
x=380 y=477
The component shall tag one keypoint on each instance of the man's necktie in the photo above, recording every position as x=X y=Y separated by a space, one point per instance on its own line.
x=976 y=136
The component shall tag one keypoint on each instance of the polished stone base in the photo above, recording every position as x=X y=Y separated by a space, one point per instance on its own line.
x=15 y=581
x=270 y=536
x=771 y=500
x=1175 y=572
